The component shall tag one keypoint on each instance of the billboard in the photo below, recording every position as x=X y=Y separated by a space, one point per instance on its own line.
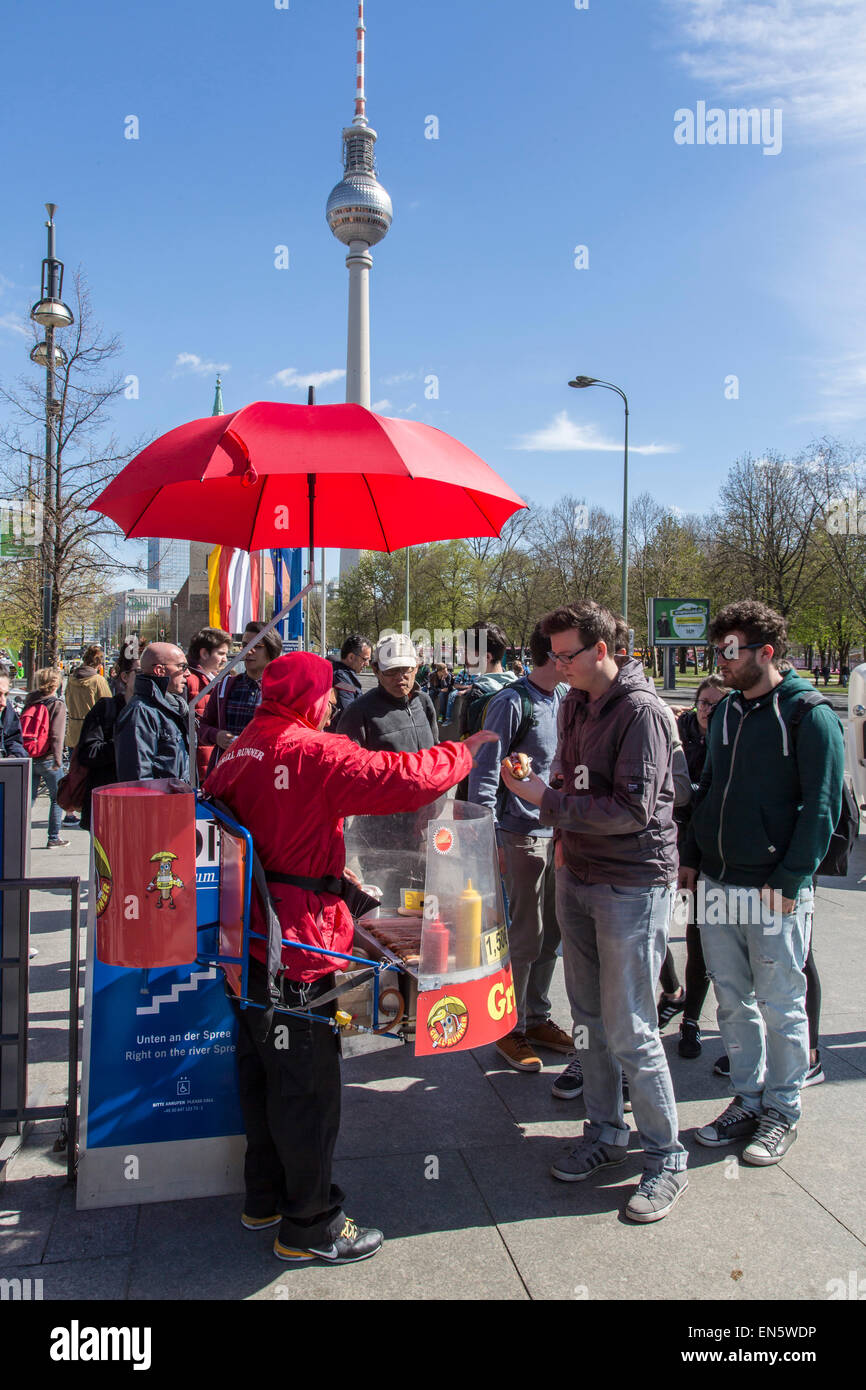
x=679 y=622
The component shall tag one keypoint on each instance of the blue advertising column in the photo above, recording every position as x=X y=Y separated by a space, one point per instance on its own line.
x=160 y=1117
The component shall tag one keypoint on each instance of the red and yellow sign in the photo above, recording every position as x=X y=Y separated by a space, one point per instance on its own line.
x=464 y=1015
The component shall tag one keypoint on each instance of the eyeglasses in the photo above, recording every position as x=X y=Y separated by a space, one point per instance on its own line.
x=707 y=704
x=721 y=652
x=566 y=658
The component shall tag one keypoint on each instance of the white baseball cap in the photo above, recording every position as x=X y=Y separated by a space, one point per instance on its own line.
x=394 y=651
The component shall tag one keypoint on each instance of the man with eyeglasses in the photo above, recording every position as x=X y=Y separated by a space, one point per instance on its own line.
x=616 y=866
x=769 y=800
x=150 y=736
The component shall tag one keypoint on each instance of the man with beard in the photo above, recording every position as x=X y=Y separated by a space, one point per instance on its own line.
x=769 y=799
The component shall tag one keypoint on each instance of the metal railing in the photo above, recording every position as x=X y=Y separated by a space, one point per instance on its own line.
x=68 y=1113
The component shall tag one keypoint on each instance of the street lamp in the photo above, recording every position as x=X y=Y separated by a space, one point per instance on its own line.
x=50 y=313
x=580 y=382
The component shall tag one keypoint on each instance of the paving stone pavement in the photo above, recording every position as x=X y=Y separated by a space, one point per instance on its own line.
x=451 y=1158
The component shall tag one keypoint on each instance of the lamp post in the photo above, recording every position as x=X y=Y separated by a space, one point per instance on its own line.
x=580 y=382
x=50 y=313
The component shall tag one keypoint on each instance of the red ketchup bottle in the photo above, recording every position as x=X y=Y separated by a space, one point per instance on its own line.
x=434 y=948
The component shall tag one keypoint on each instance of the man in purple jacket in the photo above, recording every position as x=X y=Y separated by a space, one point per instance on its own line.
x=616 y=859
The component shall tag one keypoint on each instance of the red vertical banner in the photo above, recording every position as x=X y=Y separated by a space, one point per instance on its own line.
x=144 y=850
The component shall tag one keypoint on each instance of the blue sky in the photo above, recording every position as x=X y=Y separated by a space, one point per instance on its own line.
x=556 y=130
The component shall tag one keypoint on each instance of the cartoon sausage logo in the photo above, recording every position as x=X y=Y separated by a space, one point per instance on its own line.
x=103 y=877
x=447 y=1021
x=164 y=881
x=443 y=840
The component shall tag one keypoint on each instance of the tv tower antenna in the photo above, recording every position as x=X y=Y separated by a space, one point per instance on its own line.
x=359 y=214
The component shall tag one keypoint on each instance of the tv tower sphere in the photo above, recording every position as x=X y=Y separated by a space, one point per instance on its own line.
x=359 y=209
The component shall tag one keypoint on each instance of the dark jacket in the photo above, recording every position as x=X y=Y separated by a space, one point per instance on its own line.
x=96 y=749
x=694 y=744
x=150 y=735
x=620 y=828
x=769 y=798
x=56 y=723
x=379 y=722
x=348 y=689
x=10 y=734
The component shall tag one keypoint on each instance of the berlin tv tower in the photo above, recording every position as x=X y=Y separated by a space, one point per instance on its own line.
x=359 y=214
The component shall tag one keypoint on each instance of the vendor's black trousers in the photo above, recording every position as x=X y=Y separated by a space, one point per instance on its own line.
x=290 y=1099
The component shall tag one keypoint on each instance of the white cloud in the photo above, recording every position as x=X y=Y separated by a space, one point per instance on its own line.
x=563 y=436
x=293 y=380
x=379 y=406
x=843 y=388
x=399 y=378
x=810 y=56
x=191 y=362
x=12 y=323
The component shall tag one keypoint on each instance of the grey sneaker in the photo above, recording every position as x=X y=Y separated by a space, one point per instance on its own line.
x=587 y=1155
x=734 y=1123
x=655 y=1194
x=774 y=1136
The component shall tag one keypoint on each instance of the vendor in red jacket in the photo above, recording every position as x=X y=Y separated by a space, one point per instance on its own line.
x=291 y=784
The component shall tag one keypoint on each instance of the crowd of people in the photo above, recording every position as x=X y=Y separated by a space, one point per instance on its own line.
x=627 y=803
x=625 y=811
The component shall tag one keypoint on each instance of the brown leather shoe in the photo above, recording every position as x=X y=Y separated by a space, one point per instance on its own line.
x=517 y=1052
x=551 y=1036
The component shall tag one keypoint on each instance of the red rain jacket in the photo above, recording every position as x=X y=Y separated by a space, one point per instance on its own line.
x=291 y=785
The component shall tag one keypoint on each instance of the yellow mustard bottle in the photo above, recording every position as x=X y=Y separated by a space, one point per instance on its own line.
x=469 y=910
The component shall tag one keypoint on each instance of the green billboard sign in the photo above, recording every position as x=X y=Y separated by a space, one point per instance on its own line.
x=679 y=622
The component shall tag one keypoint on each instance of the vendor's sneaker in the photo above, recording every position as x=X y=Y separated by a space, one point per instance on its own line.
x=259 y=1223
x=815 y=1074
x=773 y=1138
x=734 y=1123
x=515 y=1048
x=551 y=1036
x=689 y=1044
x=587 y=1155
x=569 y=1084
x=353 y=1243
x=655 y=1194
x=70 y=820
x=57 y=844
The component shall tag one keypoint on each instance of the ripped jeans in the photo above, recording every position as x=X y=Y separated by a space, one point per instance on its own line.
x=757 y=974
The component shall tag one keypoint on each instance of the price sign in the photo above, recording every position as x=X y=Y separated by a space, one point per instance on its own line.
x=495 y=945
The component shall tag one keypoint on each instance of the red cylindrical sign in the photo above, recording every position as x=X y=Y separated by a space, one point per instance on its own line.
x=144 y=851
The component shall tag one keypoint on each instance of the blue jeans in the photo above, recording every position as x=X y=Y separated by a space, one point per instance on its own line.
x=756 y=967
x=46 y=770
x=613 y=943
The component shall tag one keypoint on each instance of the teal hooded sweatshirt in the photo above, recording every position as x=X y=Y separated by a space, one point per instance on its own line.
x=770 y=796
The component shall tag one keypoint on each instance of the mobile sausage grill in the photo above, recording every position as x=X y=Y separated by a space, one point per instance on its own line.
x=430 y=962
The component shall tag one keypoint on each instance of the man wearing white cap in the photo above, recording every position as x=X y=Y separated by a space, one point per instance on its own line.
x=396 y=717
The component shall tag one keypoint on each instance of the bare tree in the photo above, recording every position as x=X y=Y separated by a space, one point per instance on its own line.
x=78 y=546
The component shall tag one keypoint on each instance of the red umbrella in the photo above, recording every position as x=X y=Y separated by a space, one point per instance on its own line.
x=273 y=474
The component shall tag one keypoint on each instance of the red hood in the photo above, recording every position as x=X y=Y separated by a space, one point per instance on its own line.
x=298 y=684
